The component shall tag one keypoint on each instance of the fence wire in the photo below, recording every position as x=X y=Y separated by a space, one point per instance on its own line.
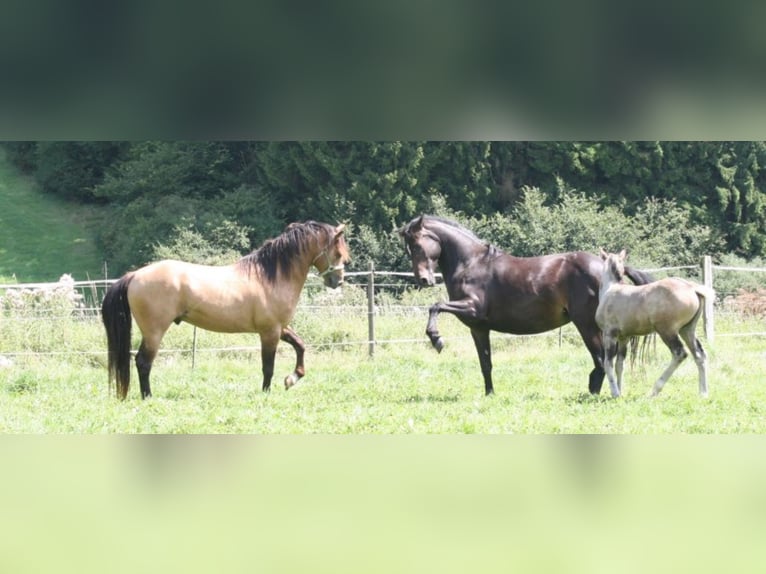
x=22 y=334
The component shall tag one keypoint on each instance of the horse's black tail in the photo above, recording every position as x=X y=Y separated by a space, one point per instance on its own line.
x=115 y=313
x=640 y=344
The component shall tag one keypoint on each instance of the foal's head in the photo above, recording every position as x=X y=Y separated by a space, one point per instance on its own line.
x=614 y=266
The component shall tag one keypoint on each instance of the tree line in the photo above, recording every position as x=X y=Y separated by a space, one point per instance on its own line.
x=667 y=201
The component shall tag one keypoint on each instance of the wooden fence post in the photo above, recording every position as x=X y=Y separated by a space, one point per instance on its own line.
x=371 y=310
x=707 y=280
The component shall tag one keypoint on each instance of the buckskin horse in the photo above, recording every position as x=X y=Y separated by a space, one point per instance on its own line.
x=257 y=294
x=669 y=307
x=490 y=290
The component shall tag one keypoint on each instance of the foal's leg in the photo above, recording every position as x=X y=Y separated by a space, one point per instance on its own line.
x=699 y=355
x=290 y=336
x=622 y=351
x=483 y=348
x=611 y=350
x=679 y=354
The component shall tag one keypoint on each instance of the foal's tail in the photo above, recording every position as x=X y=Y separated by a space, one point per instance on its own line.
x=115 y=312
x=704 y=292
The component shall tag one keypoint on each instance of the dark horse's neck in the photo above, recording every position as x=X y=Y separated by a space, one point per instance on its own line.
x=459 y=247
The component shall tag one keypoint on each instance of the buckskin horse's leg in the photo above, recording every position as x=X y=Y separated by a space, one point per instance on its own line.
x=483 y=348
x=290 y=336
x=144 y=359
x=268 y=352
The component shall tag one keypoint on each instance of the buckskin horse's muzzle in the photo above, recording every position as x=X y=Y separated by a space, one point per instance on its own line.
x=333 y=276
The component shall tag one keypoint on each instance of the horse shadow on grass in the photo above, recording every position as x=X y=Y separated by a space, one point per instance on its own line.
x=418 y=398
x=603 y=398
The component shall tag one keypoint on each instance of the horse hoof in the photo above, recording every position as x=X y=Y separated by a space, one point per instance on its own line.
x=438 y=344
x=290 y=381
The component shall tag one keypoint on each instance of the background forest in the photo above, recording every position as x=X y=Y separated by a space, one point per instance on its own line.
x=667 y=202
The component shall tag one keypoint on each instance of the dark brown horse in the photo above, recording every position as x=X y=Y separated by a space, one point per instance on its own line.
x=257 y=294
x=492 y=291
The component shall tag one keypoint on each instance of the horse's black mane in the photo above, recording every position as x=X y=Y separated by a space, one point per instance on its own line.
x=277 y=255
x=492 y=251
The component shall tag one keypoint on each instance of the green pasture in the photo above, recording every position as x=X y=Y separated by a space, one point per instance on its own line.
x=41 y=238
x=60 y=385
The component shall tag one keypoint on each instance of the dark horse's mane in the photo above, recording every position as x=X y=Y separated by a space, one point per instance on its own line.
x=277 y=255
x=407 y=229
x=444 y=220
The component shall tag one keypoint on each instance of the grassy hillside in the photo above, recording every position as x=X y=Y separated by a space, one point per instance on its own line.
x=42 y=237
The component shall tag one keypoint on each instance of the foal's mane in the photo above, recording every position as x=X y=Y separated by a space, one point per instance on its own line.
x=277 y=255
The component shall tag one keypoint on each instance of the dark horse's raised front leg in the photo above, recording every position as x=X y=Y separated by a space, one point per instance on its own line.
x=466 y=311
x=463 y=309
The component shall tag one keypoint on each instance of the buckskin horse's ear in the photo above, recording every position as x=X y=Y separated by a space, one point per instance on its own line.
x=602 y=253
x=624 y=254
x=339 y=229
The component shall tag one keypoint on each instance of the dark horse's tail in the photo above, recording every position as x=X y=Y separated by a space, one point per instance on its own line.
x=115 y=312
x=638 y=277
x=639 y=345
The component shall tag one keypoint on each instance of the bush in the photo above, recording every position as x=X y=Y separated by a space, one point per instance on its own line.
x=661 y=233
x=730 y=283
x=73 y=169
x=56 y=300
x=750 y=304
x=219 y=245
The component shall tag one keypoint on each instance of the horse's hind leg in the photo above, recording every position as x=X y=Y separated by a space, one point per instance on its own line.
x=699 y=355
x=679 y=354
x=147 y=351
x=290 y=336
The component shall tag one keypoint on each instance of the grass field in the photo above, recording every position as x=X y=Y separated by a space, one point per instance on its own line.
x=406 y=388
x=30 y=224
